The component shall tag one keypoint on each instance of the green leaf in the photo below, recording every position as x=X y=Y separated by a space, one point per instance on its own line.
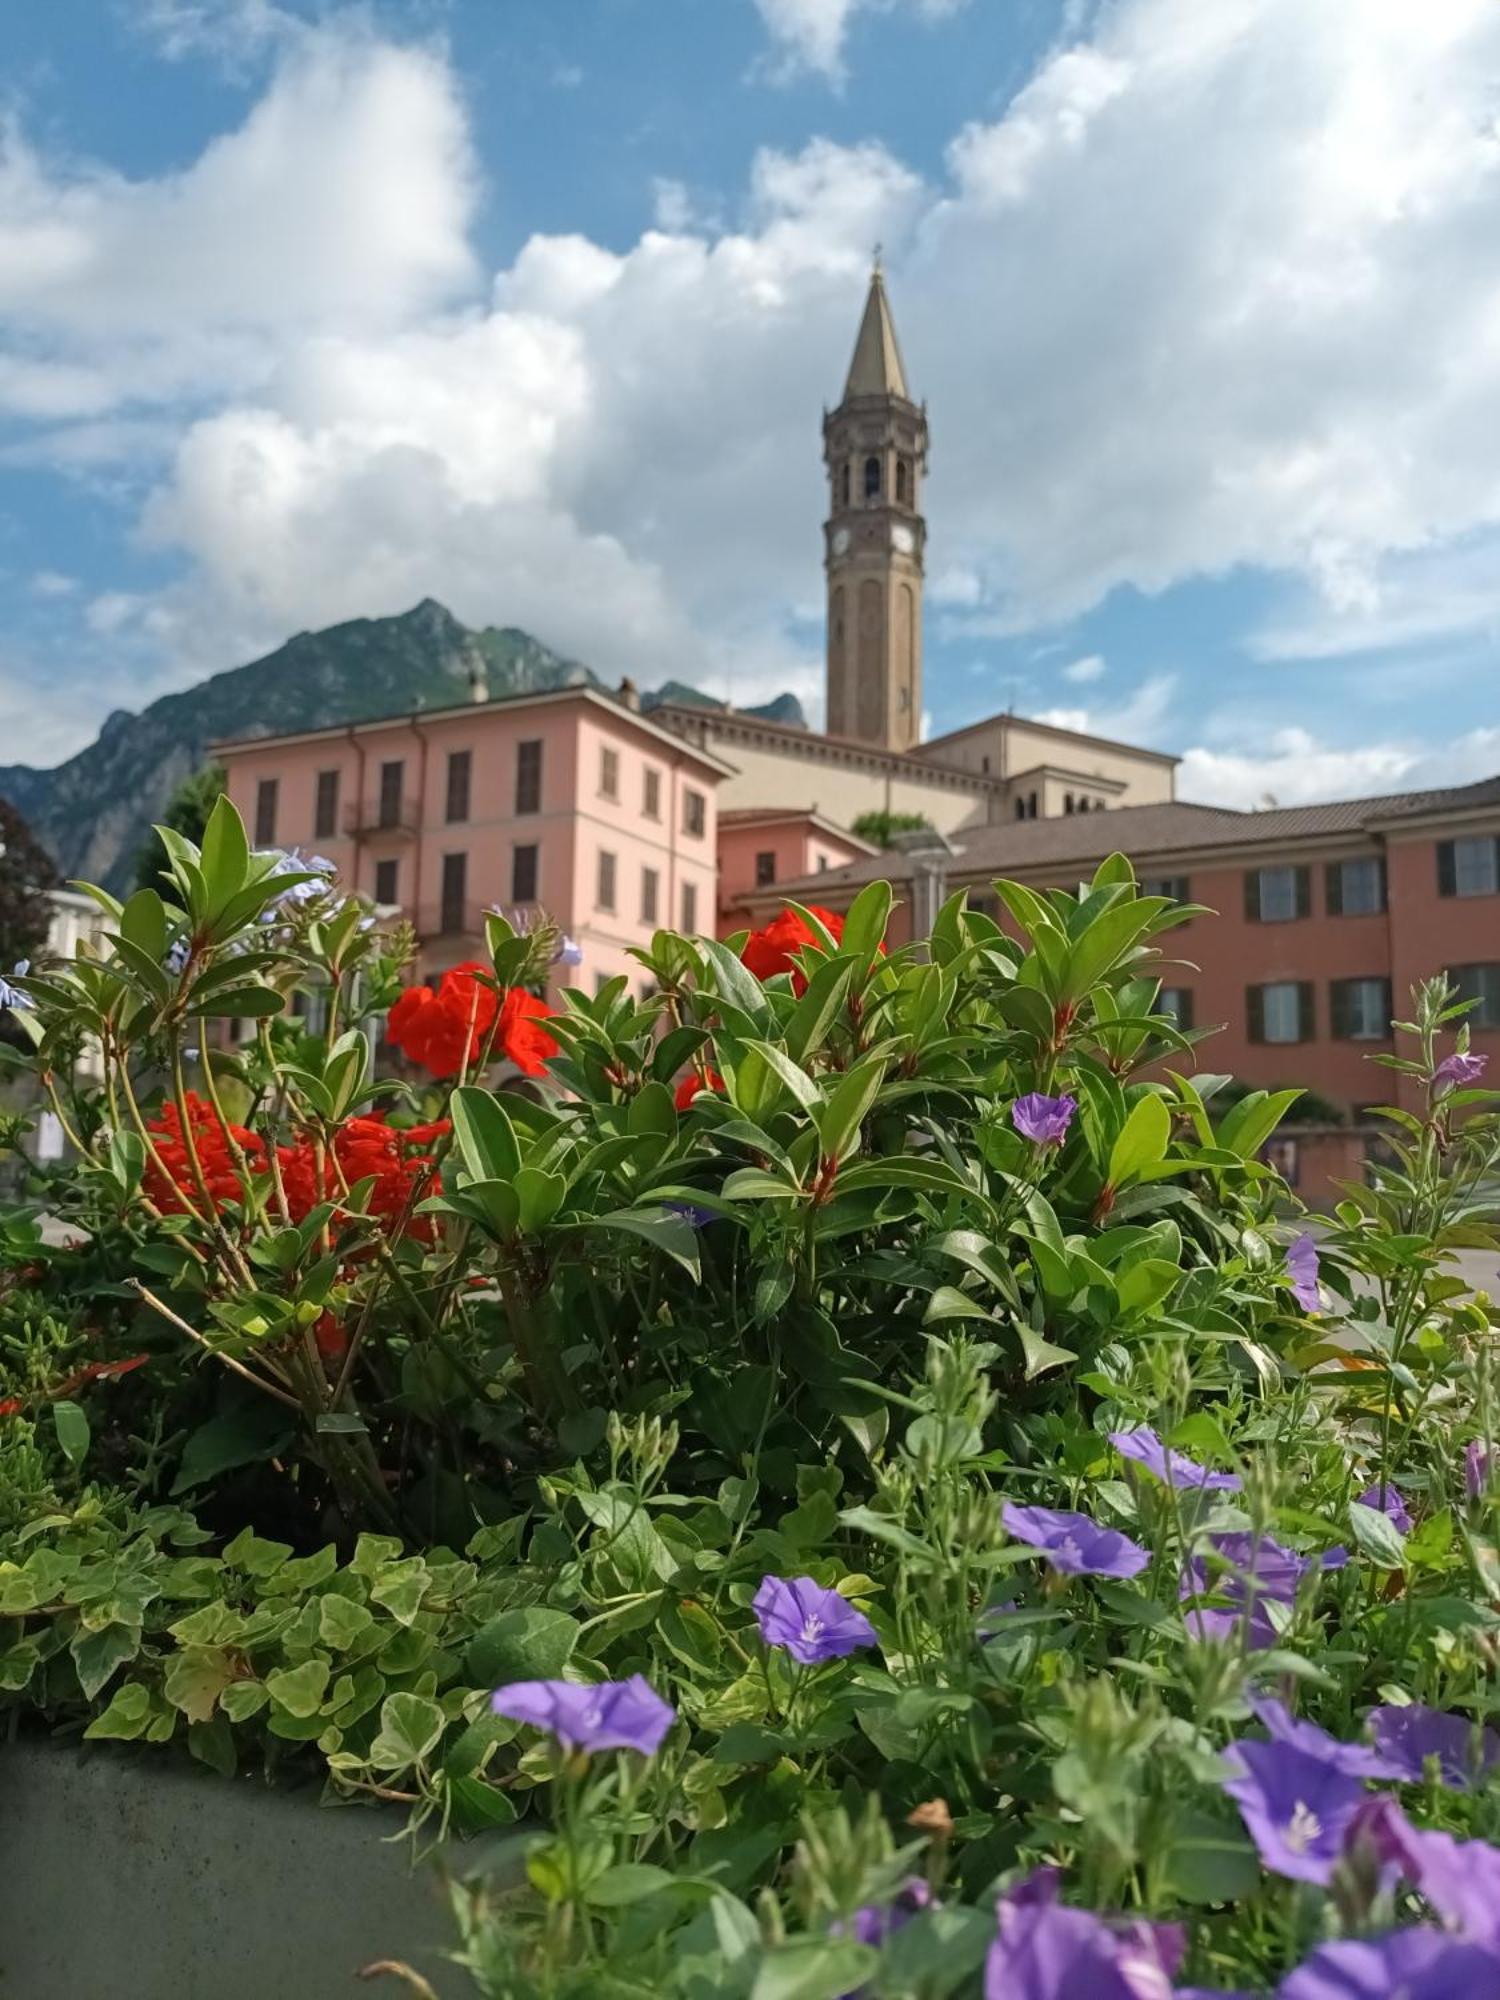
x=1209 y=1861
x=250 y=1429
x=299 y=1690
x=1142 y=1142
x=818 y=1009
x=671 y=1234
x=652 y=1111
x=795 y=1078
x=341 y=1622
x=486 y=1138
x=400 y=1588
x=126 y=1717
x=627 y=1882
x=196 y=1678
x=1378 y=1536
x=225 y=855
x=1427 y=1545
x=867 y=917
x=72 y=1428
x=143 y=919
x=411 y=1726
x=530 y=1644
x=1041 y=1354
x=98 y=1655
x=838 y=1121
x=253 y=1002
x=814 y=1969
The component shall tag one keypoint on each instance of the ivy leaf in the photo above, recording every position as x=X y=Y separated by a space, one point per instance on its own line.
x=126 y=1717
x=97 y=1655
x=410 y=1726
x=196 y=1678
x=530 y=1644
x=1378 y=1536
x=299 y=1690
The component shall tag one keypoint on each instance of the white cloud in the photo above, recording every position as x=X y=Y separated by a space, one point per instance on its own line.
x=1138 y=718
x=1294 y=769
x=52 y=583
x=810 y=34
x=1090 y=668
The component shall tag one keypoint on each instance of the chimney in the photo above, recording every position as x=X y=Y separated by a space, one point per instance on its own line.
x=479 y=686
x=630 y=695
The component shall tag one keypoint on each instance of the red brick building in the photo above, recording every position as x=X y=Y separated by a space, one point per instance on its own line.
x=1324 y=917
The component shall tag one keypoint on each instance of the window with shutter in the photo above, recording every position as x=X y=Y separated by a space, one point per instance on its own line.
x=1480 y=983
x=523 y=873
x=1476 y=865
x=1176 y=1002
x=392 y=780
x=606 y=890
x=765 y=868
x=455 y=889
x=1356 y=888
x=1255 y=1014
x=265 y=812
x=694 y=813
x=649 y=884
x=689 y=907
x=529 y=777
x=651 y=793
x=460 y=768
x=387 y=883
x=1360 y=1009
x=326 y=811
x=1283 y=1011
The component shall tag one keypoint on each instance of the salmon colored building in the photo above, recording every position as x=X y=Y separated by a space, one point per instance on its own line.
x=760 y=846
x=570 y=804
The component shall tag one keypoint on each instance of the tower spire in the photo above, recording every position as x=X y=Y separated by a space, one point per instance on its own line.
x=876 y=368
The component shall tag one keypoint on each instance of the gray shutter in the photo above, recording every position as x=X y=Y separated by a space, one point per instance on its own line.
x=1333 y=888
x=1447 y=869
x=1252 y=895
x=1255 y=1013
x=1304 y=892
x=1307 y=1011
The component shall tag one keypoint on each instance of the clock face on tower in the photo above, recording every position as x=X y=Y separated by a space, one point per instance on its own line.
x=840 y=541
x=902 y=538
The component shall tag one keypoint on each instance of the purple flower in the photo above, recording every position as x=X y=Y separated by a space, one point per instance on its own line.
x=1355 y=1760
x=1408 y=1737
x=1478 y=1464
x=1390 y=1504
x=1073 y=1543
x=12 y=996
x=1045 y=1120
x=1046 y=1952
x=689 y=1212
x=1296 y=1807
x=568 y=952
x=1146 y=1448
x=1302 y=1268
x=1403 y=1965
x=1257 y=1568
x=614 y=1715
x=1459 y=1071
x=809 y=1622
x=873 y=1923
x=177 y=956
x=1459 y=1878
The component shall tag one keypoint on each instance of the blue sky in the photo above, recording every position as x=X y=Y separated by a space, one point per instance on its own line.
x=308 y=311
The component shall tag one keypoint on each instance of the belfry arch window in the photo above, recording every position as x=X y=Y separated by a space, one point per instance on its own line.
x=844 y=485
x=872 y=477
x=903 y=483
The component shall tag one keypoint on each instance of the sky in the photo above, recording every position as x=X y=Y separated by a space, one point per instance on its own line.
x=310 y=311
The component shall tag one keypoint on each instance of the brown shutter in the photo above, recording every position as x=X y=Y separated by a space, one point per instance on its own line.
x=1338 y=1009
x=1307 y=1011
x=1304 y=892
x=1385 y=888
x=1252 y=895
x=1387 y=1010
x=1255 y=1013
x=1333 y=888
x=1447 y=869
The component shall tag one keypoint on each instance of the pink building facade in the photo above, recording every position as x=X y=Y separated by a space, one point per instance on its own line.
x=569 y=804
x=761 y=846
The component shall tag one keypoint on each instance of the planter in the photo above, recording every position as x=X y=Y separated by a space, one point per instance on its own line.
x=132 y=1877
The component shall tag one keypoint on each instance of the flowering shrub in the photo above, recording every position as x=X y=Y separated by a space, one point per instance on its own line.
x=858 y=1466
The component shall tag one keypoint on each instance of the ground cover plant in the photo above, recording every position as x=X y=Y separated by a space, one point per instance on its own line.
x=844 y=1473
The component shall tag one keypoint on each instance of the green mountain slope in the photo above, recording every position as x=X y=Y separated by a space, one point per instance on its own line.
x=93 y=812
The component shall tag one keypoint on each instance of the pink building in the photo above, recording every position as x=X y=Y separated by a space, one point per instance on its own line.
x=570 y=803
x=763 y=845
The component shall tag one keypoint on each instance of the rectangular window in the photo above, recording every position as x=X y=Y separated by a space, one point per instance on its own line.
x=1469 y=867
x=326 y=810
x=689 y=907
x=694 y=812
x=1356 y=888
x=460 y=769
x=651 y=793
x=606 y=892
x=765 y=868
x=1276 y=895
x=1360 y=1009
x=529 y=776
x=1481 y=983
x=1176 y=1002
x=265 y=812
x=649 y=884
x=387 y=881
x=392 y=779
x=822 y=864
x=1175 y=887
x=609 y=772
x=523 y=873
x=455 y=891
x=1281 y=1012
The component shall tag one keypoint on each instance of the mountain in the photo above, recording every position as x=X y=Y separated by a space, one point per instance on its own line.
x=93 y=812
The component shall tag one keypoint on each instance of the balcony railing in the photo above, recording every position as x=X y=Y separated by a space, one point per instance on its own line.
x=387 y=819
x=450 y=920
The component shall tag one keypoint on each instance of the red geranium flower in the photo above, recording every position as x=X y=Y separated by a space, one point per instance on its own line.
x=366 y=1149
x=11 y=1407
x=445 y=1027
x=528 y=1046
x=772 y=950
x=173 y=1185
x=692 y=1083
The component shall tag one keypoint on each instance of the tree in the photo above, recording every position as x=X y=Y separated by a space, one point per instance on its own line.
x=26 y=875
x=879 y=826
x=187 y=813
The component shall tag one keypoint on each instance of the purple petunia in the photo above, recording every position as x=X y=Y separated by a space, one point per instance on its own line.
x=1145 y=1448
x=1457 y=1072
x=1355 y=1760
x=1257 y=1568
x=691 y=1213
x=1302 y=1268
x=1414 y=1965
x=1044 y=1951
x=614 y=1715
x=1044 y=1120
x=1074 y=1544
x=1478 y=1464
x=873 y=1923
x=1296 y=1807
x=809 y=1622
x=1389 y=1502
x=1460 y=1879
x=1407 y=1737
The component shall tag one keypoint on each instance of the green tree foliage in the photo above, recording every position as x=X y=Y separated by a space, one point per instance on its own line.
x=187 y=813
x=26 y=874
x=879 y=826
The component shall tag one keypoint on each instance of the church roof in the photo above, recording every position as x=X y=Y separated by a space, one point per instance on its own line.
x=876 y=368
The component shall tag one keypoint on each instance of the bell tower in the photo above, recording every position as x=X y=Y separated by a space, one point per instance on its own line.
x=875 y=448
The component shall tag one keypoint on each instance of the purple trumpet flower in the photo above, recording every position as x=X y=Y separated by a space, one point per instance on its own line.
x=1257 y=1569
x=1145 y=1448
x=1355 y=1760
x=809 y=1622
x=1457 y=1072
x=1302 y=1268
x=1296 y=1807
x=1390 y=1504
x=1043 y=1120
x=1479 y=1462
x=1459 y=1878
x=1409 y=1737
x=1402 y=1965
x=1073 y=1544
x=690 y=1213
x=873 y=1923
x=1044 y=1951
x=614 y=1715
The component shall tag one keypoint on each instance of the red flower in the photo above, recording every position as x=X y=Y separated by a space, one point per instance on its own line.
x=528 y=1046
x=366 y=1149
x=332 y=1341
x=444 y=1028
x=772 y=950
x=692 y=1083
x=173 y=1185
x=11 y=1407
